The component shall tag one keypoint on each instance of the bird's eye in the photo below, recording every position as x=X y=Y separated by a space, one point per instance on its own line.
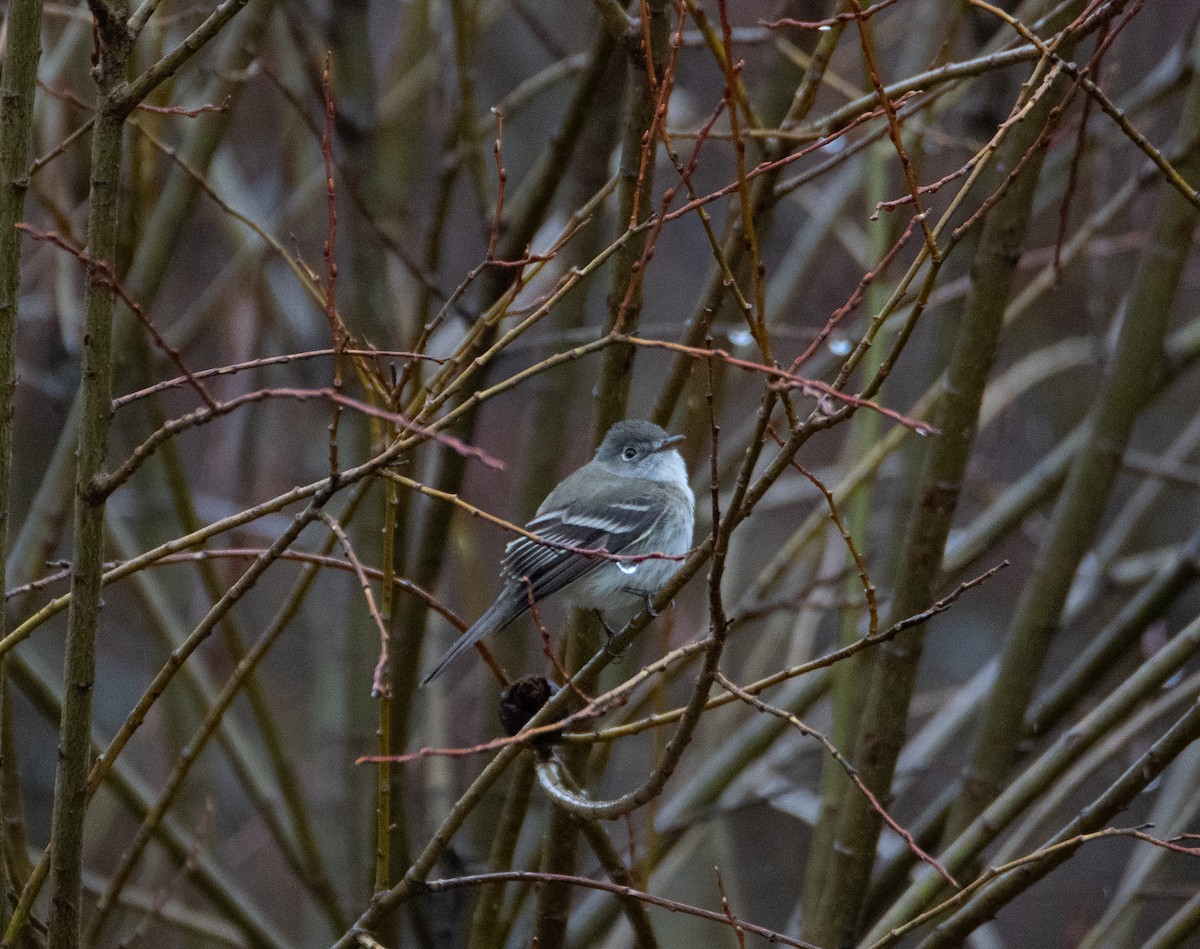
x=629 y=454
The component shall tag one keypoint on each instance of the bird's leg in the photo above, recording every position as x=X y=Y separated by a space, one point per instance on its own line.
x=609 y=633
x=647 y=600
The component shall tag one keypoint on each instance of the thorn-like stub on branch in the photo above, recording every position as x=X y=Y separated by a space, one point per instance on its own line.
x=96 y=490
x=521 y=701
x=111 y=41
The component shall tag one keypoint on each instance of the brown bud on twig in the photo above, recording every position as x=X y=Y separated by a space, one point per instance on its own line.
x=521 y=701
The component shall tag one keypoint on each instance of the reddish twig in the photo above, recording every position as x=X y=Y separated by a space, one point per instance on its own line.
x=813 y=388
x=1170 y=173
x=391 y=243
x=756 y=318
x=850 y=770
x=822 y=662
x=737 y=929
x=401 y=421
x=647 y=48
x=855 y=298
x=860 y=15
x=1064 y=207
x=105 y=271
x=524 y=737
x=945 y=602
x=766 y=167
x=618 y=696
x=657 y=222
x=1080 y=80
x=252 y=553
x=894 y=131
x=908 y=104
x=109 y=483
x=283 y=359
x=932 y=188
x=662 y=97
x=1041 y=142
x=548 y=646
x=860 y=564
x=1169 y=844
x=379 y=682
x=501 y=179
x=336 y=330
x=531 y=876
x=66 y=95
x=187 y=113
x=1103 y=41
x=39 y=163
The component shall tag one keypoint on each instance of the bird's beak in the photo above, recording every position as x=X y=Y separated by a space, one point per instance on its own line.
x=669 y=443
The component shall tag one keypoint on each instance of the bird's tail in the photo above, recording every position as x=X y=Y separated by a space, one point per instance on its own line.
x=497 y=616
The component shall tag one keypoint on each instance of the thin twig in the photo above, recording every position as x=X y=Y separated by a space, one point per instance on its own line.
x=860 y=564
x=530 y=876
x=784 y=675
x=897 y=135
x=859 y=15
x=597 y=552
x=379 y=683
x=813 y=388
x=106 y=273
x=260 y=363
x=850 y=770
x=733 y=923
x=109 y=483
x=501 y=180
x=337 y=330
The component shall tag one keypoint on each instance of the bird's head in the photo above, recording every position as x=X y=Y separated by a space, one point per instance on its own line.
x=638 y=449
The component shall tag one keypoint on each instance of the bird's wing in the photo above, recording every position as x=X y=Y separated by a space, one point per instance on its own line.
x=610 y=523
x=614 y=520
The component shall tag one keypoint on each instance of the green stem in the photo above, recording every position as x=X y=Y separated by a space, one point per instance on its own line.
x=70 y=786
x=1116 y=637
x=210 y=880
x=305 y=854
x=1176 y=931
x=988 y=901
x=639 y=149
x=848 y=675
x=762 y=200
x=214 y=721
x=464 y=14
x=561 y=856
x=1041 y=774
x=22 y=50
x=1137 y=358
x=486 y=924
x=160 y=235
x=894 y=665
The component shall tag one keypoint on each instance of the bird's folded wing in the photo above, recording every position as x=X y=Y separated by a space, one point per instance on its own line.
x=611 y=525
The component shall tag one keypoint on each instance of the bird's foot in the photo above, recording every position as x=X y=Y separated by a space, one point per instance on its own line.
x=647 y=601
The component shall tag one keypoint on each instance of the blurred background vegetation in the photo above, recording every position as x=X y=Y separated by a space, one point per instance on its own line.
x=530 y=195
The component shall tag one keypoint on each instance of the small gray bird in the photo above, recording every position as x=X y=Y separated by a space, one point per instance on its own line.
x=631 y=498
